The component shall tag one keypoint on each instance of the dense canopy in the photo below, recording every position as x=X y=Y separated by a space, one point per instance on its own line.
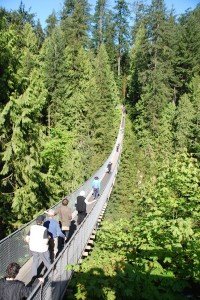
x=60 y=103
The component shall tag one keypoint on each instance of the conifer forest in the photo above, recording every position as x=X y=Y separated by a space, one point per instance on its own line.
x=61 y=91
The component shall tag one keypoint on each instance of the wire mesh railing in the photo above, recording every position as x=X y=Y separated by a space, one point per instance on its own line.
x=14 y=248
x=54 y=286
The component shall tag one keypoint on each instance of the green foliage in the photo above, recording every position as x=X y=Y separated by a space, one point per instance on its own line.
x=21 y=134
x=106 y=103
x=154 y=253
x=52 y=55
x=75 y=23
x=9 y=61
x=21 y=16
x=28 y=58
x=51 y=23
x=184 y=118
x=59 y=115
x=131 y=173
x=60 y=163
x=187 y=119
x=109 y=42
x=39 y=34
x=187 y=49
x=195 y=99
x=151 y=75
x=52 y=138
x=139 y=59
x=121 y=14
x=99 y=23
x=169 y=210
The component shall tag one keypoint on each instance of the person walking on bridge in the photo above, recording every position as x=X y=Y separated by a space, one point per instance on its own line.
x=109 y=167
x=96 y=187
x=65 y=216
x=38 y=240
x=81 y=206
x=55 y=232
x=13 y=289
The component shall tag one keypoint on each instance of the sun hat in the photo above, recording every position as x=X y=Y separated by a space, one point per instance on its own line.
x=82 y=193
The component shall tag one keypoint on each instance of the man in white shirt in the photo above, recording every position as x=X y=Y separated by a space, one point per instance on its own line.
x=38 y=244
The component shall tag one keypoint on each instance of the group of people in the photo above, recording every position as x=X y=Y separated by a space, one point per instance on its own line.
x=51 y=234
x=44 y=239
x=47 y=235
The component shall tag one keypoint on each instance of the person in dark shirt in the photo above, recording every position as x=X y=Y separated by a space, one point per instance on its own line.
x=13 y=289
x=109 y=166
x=81 y=205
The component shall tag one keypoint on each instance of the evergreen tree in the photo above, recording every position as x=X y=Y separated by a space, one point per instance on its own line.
x=39 y=33
x=195 y=100
x=155 y=80
x=139 y=58
x=68 y=9
x=187 y=62
x=99 y=23
x=165 y=136
x=109 y=41
x=51 y=23
x=146 y=254
x=187 y=120
x=131 y=173
x=53 y=56
x=75 y=23
x=108 y=99
x=9 y=61
x=21 y=135
x=21 y=16
x=140 y=17
x=121 y=17
x=28 y=59
x=184 y=120
x=25 y=15
x=77 y=105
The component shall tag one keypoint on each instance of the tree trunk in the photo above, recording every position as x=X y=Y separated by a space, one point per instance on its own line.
x=119 y=65
x=49 y=119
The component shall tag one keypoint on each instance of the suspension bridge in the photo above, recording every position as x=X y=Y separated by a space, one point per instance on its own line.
x=13 y=248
